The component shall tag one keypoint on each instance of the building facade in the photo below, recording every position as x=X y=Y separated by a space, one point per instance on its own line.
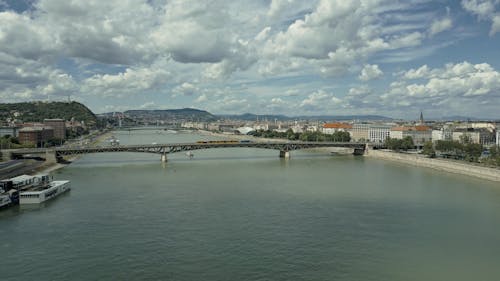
x=360 y=131
x=59 y=126
x=420 y=134
x=378 y=133
x=9 y=131
x=480 y=136
x=35 y=135
x=443 y=134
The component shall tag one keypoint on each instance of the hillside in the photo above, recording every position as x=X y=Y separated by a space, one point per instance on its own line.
x=38 y=111
x=253 y=117
x=189 y=114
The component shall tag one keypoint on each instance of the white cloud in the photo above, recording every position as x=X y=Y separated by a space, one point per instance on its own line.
x=356 y=31
x=148 y=105
x=481 y=8
x=439 y=26
x=462 y=83
x=495 y=26
x=277 y=6
x=421 y=72
x=320 y=101
x=370 y=72
x=201 y=98
x=132 y=81
x=21 y=37
x=277 y=55
x=185 y=89
x=263 y=34
x=485 y=10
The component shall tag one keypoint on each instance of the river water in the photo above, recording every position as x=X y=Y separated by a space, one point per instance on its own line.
x=245 y=214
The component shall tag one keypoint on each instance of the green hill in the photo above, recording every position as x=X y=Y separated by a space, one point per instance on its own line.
x=188 y=114
x=38 y=111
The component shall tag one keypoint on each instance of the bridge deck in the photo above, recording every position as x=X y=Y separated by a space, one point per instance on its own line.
x=178 y=147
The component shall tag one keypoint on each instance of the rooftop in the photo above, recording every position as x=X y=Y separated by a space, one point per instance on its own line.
x=337 y=126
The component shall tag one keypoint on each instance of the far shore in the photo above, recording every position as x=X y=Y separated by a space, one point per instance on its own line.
x=487 y=173
x=446 y=165
x=450 y=166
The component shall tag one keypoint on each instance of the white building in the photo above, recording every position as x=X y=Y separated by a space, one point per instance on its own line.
x=244 y=130
x=419 y=134
x=261 y=126
x=498 y=137
x=360 y=131
x=444 y=134
x=378 y=133
x=481 y=136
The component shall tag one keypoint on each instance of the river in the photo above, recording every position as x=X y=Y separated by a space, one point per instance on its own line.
x=245 y=214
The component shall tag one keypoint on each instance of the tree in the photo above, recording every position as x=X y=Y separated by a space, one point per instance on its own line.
x=290 y=135
x=495 y=151
x=473 y=151
x=393 y=144
x=341 y=136
x=407 y=143
x=428 y=149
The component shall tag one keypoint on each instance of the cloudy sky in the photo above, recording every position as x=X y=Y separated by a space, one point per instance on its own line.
x=388 y=57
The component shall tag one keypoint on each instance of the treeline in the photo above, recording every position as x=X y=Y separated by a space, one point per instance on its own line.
x=453 y=149
x=399 y=144
x=9 y=142
x=472 y=152
x=305 y=136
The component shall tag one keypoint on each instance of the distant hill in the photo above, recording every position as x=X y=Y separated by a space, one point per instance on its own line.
x=38 y=111
x=172 y=114
x=253 y=117
x=458 y=118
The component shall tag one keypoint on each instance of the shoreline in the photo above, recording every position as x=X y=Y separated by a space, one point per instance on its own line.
x=481 y=172
x=486 y=173
x=49 y=168
x=463 y=168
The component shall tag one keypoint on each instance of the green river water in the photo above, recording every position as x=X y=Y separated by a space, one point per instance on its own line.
x=245 y=214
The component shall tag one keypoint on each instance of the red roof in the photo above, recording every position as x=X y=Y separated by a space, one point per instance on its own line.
x=337 y=126
x=411 y=128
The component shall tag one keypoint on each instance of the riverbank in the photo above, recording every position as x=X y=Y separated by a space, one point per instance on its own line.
x=48 y=168
x=32 y=167
x=437 y=164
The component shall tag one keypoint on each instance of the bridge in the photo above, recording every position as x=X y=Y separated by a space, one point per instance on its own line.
x=164 y=149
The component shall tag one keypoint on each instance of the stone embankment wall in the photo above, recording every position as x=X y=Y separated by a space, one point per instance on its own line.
x=438 y=164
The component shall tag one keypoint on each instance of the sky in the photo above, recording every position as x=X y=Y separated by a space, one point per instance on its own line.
x=312 y=57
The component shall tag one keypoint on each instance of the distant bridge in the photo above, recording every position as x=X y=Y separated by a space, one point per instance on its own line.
x=148 y=128
x=164 y=149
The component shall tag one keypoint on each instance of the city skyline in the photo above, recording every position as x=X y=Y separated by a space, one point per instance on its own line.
x=380 y=57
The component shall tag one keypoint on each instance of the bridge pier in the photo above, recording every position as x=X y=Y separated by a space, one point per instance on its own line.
x=358 y=151
x=164 y=158
x=51 y=157
x=284 y=154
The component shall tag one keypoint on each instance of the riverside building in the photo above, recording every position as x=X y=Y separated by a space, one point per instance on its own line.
x=378 y=133
x=35 y=135
x=59 y=126
x=420 y=134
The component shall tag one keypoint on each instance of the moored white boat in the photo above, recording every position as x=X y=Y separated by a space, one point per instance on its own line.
x=25 y=182
x=40 y=195
x=5 y=200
